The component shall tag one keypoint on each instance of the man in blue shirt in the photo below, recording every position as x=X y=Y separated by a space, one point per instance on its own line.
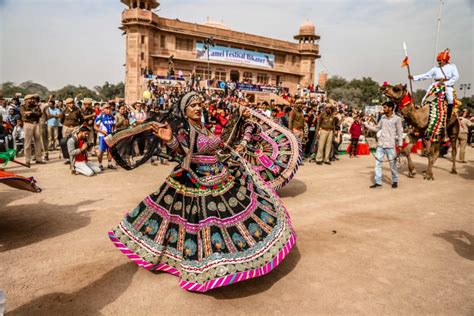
x=104 y=125
x=53 y=114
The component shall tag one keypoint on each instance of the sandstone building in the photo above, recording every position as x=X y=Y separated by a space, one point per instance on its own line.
x=236 y=56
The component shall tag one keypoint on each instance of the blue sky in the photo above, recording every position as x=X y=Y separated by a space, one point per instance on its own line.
x=57 y=42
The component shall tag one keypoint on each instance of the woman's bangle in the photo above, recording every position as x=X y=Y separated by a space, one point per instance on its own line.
x=173 y=143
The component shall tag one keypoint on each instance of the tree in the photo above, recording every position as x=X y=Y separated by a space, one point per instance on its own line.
x=357 y=92
x=350 y=96
x=9 y=89
x=468 y=103
x=35 y=88
x=70 y=91
x=368 y=87
x=110 y=91
x=334 y=83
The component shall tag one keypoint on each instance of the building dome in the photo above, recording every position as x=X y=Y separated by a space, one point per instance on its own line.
x=216 y=24
x=307 y=28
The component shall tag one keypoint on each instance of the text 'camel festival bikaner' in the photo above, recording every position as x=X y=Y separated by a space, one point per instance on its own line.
x=242 y=158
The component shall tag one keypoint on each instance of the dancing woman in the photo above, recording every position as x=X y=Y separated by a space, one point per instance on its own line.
x=215 y=220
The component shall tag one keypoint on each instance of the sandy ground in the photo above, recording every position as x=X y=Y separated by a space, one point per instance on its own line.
x=359 y=251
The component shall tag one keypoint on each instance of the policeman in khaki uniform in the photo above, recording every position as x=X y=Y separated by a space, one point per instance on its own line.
x=31 y=113
x=72 y=117
x=325 y=133
x=89 y=117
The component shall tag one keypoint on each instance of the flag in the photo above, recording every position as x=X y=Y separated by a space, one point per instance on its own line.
x=405 y=62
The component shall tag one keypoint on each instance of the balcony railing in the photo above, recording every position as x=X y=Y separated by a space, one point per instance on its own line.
x=138 y=15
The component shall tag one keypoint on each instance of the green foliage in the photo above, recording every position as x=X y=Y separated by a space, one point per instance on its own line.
x=334 y=83
x=111 y=91
x=71 y=91
x=468 y=103
x=357 y=92
x=9 y=89
x=35 y=88
x=105 y=92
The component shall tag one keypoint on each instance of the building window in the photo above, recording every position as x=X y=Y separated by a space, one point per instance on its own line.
x=184 y=44
x=142 y=55
x=203 y=73
x=143 y=39
x=248 y=76
x=220 y=74
x=262 y=78
x=280 y=58
x=162 y=41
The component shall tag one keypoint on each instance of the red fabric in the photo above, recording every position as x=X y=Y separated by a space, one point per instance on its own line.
x=221 y=122
x=443 y=56
x=406 y=100
x=81 y=157
x=355 y=130
x=416 y=147
x=362 y=149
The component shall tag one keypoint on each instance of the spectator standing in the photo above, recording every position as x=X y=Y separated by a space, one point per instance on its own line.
x=54 y=115
x=89 y=117
x=325 y=132
x=104 y=125
x=391 y=133
x=72 y=117
x=43 y=125
x=464 y=124
x=31 y=113
x=296 y=120
x=3 y=108
x=355 y=130
x=121 y=118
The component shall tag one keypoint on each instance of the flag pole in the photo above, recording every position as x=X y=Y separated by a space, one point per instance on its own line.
x=408 y=67
x=438 y=29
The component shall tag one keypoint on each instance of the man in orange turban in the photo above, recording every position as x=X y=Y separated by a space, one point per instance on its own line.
x=444 y=72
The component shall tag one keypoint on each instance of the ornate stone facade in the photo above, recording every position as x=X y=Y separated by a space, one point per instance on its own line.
x=151 y=40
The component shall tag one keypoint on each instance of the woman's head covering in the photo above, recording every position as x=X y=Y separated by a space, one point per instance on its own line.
x=188 y=99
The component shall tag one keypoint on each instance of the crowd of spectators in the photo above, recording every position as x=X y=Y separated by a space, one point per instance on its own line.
x=34 y=125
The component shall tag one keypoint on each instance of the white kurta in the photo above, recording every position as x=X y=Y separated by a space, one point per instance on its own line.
x=452 y=75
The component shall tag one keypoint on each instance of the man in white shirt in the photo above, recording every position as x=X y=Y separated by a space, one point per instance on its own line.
x=445 y=72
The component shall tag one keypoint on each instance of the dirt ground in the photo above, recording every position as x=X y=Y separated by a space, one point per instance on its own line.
x=358 y=251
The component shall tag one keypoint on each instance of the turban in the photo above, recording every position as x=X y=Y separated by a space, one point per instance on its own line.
x=443 y=56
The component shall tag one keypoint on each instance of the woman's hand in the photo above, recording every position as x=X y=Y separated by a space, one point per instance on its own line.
x=165 y=133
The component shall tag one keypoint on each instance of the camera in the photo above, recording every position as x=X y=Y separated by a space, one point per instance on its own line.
x=90 y=145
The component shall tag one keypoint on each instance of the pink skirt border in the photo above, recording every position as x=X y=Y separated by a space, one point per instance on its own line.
x=214 y=283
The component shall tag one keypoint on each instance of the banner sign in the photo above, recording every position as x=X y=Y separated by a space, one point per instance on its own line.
x=252 y=87
x=235 y=55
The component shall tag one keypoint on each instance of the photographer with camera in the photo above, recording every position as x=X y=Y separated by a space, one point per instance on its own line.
x=78 y=146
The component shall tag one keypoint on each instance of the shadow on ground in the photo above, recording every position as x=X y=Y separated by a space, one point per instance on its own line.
x=88 y=300
x=462 y=242
x=293 y=189
x=258 y=285
x=26 y=224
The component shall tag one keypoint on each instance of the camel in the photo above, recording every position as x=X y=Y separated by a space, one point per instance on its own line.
x=417 y=118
